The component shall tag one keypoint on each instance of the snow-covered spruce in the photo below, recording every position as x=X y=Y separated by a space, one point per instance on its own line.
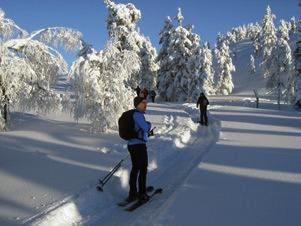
x=224 y=69
x=180 y=59
x=121 y=25
x=279 y=64
x=252 y=68
x=207 y=71
x=298 y=68
x=268 y=39
x=30 y=68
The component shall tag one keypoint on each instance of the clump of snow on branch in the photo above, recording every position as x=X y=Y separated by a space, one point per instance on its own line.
x=59 y=36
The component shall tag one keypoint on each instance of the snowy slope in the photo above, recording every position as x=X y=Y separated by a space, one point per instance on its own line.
x=244 y=82
x=251 y=176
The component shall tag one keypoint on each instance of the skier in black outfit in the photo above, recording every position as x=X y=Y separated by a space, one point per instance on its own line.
x=153 y=95
x=138 y=91
x=138 y=151
x=203 y=103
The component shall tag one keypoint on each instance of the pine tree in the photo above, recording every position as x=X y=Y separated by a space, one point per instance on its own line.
x=293 y=25
x=224 y=69
x=297 y=55
x=255 y=37
x=279 y=64
x=283 y=30
x=165 y=75
x=252 y=68
x=179 y=17
x=207 y=72
x=268 y=39
x=180 y=62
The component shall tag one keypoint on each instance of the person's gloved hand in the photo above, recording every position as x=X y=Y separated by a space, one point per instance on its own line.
x=151 y=132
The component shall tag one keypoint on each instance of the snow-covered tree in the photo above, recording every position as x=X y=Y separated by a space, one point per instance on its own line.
x=297 y=55
x=207 y=72
x=290 y=87
x=283 y=30
x=193 y=80
x=279 y=64
x=165 y=77
x=293 y=25
x=179 y=17
x=255 y=37
x=99 y=80
x=104 y=81
x=30 y=66
x=180 y=62
x=268 y=38
x=252 y=68
x=231 y=37
x=121 y=25
x=220 y=39
x=252 y=31
x=224 y=69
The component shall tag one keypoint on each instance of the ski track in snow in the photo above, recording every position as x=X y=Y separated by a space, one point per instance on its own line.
x=179 y=146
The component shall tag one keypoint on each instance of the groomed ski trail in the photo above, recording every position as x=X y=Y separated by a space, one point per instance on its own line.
x=179 y=146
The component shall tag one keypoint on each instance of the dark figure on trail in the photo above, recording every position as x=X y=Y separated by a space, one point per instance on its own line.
x=203 y=103
x=153 y=95
x=138 y=151
x=138 y=91
x=144 y=93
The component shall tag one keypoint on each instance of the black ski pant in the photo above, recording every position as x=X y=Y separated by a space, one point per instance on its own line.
x=139 y=159
x=204 y=117
x=153 y=99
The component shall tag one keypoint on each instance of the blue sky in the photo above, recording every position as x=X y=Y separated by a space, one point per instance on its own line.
x=89 y=16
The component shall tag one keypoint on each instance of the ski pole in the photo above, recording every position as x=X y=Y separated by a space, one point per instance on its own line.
x=110 y=174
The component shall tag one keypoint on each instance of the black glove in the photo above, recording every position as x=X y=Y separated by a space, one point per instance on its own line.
x=151 y=132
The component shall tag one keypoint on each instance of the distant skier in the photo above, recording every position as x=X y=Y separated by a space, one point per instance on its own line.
x=138 y=151
x=153 y=95
x=203 y=103
x=144 y=93
x=138 y=91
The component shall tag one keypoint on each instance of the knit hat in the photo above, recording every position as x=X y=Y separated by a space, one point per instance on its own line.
x=137 y=101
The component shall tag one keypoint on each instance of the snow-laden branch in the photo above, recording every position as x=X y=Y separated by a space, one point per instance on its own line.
x=9 y=28
x=67 y=37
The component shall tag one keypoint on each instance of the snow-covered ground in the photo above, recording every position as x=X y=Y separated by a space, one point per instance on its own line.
x=243 y=169
x=251 y=176
x=50 y=165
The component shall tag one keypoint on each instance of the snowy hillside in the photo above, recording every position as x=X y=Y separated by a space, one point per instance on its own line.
x=245 y=82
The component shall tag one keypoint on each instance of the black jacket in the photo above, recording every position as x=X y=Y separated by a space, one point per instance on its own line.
x=202 y=102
